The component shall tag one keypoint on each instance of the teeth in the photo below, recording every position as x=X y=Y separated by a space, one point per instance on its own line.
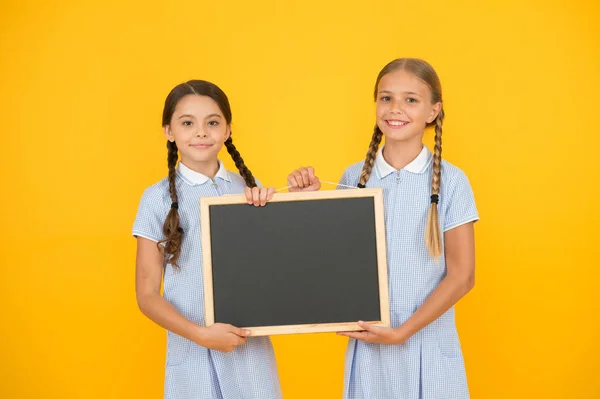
x=397 y=123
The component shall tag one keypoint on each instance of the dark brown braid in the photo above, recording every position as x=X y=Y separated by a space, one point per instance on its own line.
x=370 y=158
x=239 y=163
x=171 y=228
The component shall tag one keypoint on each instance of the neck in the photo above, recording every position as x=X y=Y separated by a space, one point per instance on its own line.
x=208 y=168
x=400 y=153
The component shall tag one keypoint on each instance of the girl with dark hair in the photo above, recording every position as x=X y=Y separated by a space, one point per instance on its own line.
x=220 y=361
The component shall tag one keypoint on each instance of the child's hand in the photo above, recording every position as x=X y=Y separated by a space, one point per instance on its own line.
x=258 y=195
x=376 y=334
x=303 y=179
x=222 y=337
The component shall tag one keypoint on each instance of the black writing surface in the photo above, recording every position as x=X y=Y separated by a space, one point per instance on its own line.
x=296 y=263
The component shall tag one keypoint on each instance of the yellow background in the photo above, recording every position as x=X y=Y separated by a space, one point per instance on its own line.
x=82 y=86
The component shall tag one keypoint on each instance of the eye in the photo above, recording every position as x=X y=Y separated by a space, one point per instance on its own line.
x=187 y=123
x=213 y=123
x=386 y=99
x=411 y=100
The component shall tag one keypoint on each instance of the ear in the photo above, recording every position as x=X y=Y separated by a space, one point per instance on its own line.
x=168 y=133
x=227 y=133
x=435 y=111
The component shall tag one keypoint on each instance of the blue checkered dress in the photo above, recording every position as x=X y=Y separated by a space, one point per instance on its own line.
x=192 y=371
x=430 y=364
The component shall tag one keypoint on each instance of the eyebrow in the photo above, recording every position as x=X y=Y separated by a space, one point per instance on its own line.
x=405 y=92
x=191 y=116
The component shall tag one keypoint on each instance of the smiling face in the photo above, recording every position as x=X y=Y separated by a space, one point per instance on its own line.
x=404 y=106
x=199 y=129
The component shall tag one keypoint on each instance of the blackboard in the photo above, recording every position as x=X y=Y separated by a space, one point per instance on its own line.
x=306 y=262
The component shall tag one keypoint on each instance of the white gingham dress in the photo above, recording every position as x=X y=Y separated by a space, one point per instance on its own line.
x=430 y=364
x=193 y=371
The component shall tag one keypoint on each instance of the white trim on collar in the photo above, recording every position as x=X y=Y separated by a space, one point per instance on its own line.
x=194 y=178
x=417 y=165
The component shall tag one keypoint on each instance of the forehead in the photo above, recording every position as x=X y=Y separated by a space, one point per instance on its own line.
x=198 y=106
x=402 y=81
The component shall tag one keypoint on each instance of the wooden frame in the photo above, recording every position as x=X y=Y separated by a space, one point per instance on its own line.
x=375 y=193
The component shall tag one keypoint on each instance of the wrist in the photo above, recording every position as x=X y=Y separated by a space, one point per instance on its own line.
x=402 y=334
x=198 y=334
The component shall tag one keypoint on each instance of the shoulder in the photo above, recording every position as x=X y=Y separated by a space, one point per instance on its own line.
x=156 y=194
x=451 y=173
x=454 y=181
x=238 y=180
x=352 y=172
x=152 y=210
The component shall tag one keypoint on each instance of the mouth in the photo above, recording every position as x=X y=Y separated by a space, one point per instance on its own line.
x=201 y=146
x=396 y=123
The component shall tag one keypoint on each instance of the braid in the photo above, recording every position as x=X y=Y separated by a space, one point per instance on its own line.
x=171 y=228
x=172 y=162
x=432 y=231
x=370 y=159
x=239 y=163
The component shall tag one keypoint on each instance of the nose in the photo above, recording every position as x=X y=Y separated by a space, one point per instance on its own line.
x=396 y=107
x=201 y=133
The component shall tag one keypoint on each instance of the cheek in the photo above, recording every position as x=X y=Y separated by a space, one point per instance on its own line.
x=220 y=134
x=177 y=135
x=182 y=131
x=217 y=147
x=379 y=120
x=419 y=113
x=217 y=135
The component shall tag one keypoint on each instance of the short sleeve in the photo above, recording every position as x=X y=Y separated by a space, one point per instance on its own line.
x=460 y=208
x=150 y=216
x=345 y=180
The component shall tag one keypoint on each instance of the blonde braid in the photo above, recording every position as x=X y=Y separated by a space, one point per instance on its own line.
x=370 y=159
x=433 y=234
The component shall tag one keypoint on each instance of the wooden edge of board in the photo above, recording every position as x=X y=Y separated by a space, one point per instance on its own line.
x=209 y=309
x=382 y=268
x=287 y=197
x=309 y=328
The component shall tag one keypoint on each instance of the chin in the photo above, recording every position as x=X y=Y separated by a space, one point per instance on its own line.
x=398 y=136
x=206 y=159
x=202 y=158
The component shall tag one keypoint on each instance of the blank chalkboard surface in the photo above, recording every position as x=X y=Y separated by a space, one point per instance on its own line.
x=306 y=262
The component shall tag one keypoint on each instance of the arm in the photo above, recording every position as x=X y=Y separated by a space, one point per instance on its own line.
x=149 y=267
x=460 y=279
